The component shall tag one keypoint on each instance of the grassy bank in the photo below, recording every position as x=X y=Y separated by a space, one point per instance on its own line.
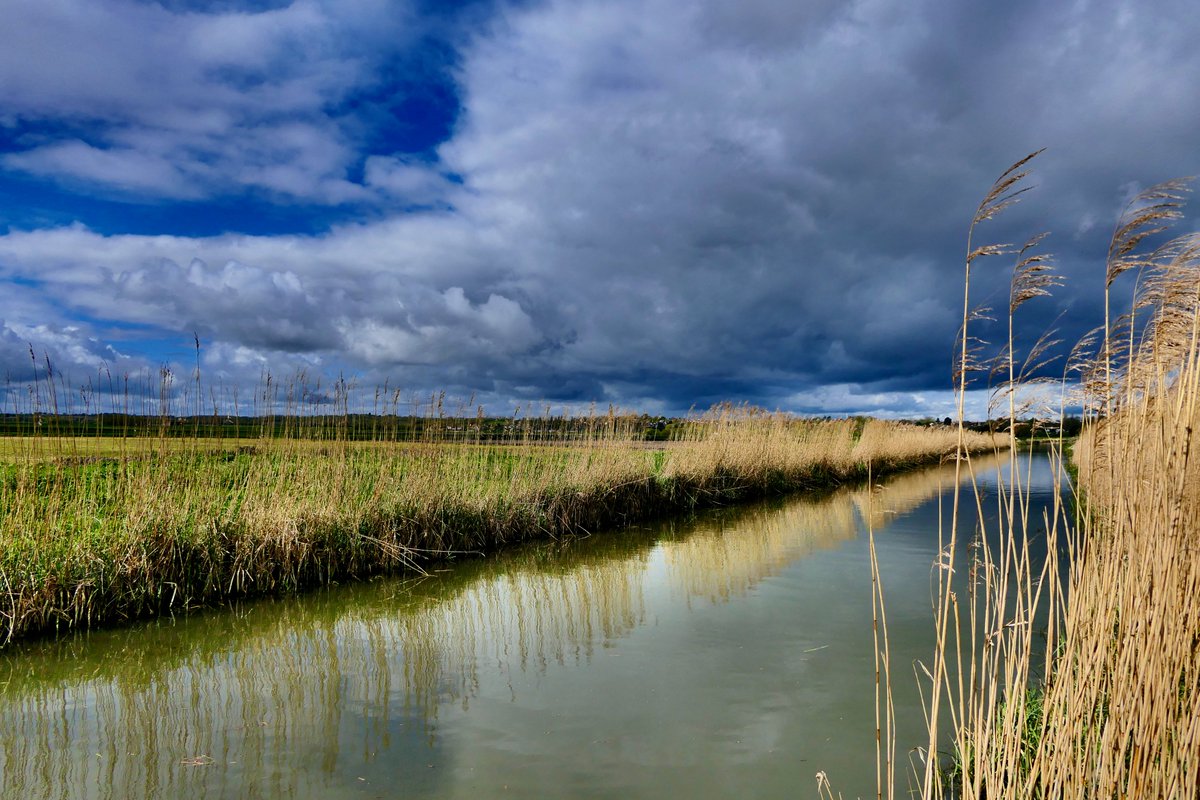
x=1079 y=675
x=99 y=531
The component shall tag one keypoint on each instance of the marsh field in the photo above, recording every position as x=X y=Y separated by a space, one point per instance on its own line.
x=103 y=529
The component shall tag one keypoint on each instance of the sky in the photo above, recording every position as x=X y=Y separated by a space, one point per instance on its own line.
x=657 y=204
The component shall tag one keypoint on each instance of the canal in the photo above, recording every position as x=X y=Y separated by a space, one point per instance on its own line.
x=726 y=655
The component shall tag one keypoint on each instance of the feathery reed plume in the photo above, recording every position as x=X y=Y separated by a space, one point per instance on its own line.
x=1147 y=214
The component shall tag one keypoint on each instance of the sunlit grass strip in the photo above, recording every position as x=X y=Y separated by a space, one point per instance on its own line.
x=167 y=525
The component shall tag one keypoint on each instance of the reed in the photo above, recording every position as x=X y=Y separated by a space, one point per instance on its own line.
x=1077 y=674
x=106 y=528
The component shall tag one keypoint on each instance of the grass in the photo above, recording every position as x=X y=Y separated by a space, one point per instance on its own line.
x=106 y=528
x=1078 y=675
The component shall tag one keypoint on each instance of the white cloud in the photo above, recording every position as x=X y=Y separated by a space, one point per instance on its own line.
x=54 y=364
x=414 y=183
x=443 y=329
x=186 y=105
x=124 y=168
x=851 y=399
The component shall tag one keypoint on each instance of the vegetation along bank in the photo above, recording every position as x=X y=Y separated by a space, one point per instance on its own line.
x=104 y=529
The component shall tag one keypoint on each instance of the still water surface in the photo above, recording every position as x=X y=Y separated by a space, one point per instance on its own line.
x=729 y=655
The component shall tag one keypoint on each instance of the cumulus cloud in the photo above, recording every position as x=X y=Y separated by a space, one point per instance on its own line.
x=159 y=102
x=126 y=169
x=358 y=294
x=442 y=329
x=643 y=201
x=14 y=356
x=415 y=183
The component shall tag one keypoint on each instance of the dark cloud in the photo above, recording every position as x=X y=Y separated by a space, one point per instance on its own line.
x=643 y=202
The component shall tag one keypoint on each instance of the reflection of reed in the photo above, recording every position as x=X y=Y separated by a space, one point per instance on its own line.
x=721 y=562
x=229 y=713
x=301 y=697
x=517 y=620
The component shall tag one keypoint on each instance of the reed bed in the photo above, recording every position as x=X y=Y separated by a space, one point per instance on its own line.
x=1077 y=674
x=99 y=530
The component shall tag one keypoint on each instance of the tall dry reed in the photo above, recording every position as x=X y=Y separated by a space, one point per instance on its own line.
x=1077 y=673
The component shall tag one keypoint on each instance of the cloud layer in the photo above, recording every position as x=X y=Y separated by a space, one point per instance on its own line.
x=644 y=202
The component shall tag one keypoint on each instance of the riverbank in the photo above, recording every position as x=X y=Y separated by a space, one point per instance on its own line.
x=86 y=541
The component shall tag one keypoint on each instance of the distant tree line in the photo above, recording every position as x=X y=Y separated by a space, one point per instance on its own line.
x=350 y=427
x=385 y=427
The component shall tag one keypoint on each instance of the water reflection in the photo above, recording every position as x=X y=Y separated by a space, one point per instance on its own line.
x=339 y=692
x=718 y=562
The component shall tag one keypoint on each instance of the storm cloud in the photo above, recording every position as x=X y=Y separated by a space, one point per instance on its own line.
x=656 y=204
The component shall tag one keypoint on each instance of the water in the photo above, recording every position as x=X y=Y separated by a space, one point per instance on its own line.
x=726 y=656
